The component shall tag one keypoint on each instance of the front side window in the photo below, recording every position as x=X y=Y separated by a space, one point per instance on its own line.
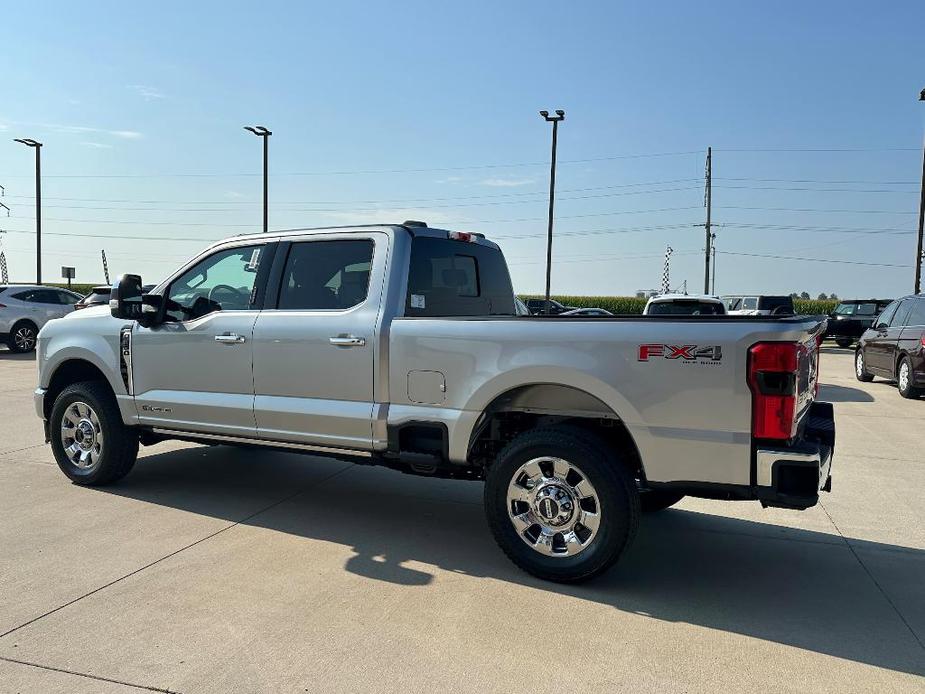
x=222 y=282
x=887 y=315
x=902 y=313
x=326 y=275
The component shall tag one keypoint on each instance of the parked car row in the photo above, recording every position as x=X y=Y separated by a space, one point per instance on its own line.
x=851 y=318
x=894 y=347
x=25 y=308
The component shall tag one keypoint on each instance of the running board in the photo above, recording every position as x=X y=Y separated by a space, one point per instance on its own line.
x=225 y=438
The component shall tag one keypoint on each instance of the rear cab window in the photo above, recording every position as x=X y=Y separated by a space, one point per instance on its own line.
x=449 y=278
x=686 y=308
x=772 y=303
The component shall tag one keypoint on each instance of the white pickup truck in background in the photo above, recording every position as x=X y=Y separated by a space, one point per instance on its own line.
x=399 y=345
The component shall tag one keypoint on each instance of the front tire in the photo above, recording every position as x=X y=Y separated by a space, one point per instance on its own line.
x=91 y=444
x=905 y=379
x=23 y=337
x=561 y=504
x=843 y=342
x=860 y=368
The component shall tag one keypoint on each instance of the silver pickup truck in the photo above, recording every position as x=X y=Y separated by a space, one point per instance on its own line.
x=398 y=345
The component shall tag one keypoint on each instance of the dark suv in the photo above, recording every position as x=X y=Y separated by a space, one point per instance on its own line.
x=894 y=347
x=852 y=317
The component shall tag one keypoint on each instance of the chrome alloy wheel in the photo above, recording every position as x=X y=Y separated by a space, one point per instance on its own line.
x=24 y=338
x=859 y=364
x=904 y=376
x=553 y=506
x=81 y=435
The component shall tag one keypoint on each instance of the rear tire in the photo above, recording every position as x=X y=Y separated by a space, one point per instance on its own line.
x=561 y=504
x=91 y=444
x=658 y=500
x=905 y=379
x=23 y=337
x=860 y=367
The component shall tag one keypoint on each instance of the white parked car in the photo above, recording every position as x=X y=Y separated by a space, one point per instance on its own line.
x=684 y=305
x=758 y=305
x=25 y=308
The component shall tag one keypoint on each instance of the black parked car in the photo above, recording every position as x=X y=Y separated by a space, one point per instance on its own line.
x=894 y=348
x=851 y=318
x=538 y=307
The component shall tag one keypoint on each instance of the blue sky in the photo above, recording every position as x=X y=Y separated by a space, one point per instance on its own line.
x=383 y=112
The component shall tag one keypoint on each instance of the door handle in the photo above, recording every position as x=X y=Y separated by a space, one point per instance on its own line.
x=347 y=341
x=230 y=339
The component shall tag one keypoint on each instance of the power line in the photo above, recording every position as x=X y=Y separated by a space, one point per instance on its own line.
x=370 y=172
x=812 y=209
x=367 y=209
x=818 y=190
x=363 y=202
x=818 y=180
x=813 y=260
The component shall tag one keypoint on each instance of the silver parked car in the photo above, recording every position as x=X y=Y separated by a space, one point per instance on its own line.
x=25 y=308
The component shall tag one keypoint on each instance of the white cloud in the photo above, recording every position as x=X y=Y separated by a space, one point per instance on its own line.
x=125 y=134
x=450 y=179
x=96 y=145
x=507 y=182
x=233 y=195
x=147 y=93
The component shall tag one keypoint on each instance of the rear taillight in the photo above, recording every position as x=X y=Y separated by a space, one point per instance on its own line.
x=922 y=341
x=2 y=305
x=772 y=377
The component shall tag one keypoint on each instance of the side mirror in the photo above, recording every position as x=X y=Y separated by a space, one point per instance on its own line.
x=125 y=298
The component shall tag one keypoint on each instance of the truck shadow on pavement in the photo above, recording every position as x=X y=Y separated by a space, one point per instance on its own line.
x=795 y=587
x=832 y=393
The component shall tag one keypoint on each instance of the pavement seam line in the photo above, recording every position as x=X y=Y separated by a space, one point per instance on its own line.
x=875 y=581
x=89 y=676
x=177 y=551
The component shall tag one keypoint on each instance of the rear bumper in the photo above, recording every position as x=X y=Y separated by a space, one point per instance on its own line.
x=792 y=476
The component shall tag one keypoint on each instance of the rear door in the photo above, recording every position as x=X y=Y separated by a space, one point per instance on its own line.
x=314 y=344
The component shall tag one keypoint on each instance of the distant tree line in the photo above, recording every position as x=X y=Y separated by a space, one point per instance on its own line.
x=822 y=297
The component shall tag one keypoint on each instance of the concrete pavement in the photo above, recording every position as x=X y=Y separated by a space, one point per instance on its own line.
x=212 y=569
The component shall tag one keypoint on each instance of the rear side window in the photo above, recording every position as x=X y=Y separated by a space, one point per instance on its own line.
x=457 y=278
x=868 y=309
x=750 y=303
x=329 y=275
x=917 y=316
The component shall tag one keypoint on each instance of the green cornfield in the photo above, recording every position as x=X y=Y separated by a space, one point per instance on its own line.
x=628 y=305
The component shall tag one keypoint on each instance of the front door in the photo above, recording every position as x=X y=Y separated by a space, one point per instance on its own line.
x=878 y=349
x=194 y=371
x=314 y=350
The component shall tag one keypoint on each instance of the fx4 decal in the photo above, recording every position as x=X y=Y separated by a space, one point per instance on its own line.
x=686 y=353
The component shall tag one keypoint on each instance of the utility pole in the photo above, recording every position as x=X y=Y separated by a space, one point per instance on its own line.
x=105 y=266
x=713 y=259
x=37 y=146
x=260 y=131
x=708 y=203
x=918 y=251
x=560 y=115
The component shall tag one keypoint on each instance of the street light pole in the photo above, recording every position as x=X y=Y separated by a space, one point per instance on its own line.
x=918 y=252
x=260 y=131
x=560 y=115
x=38 y=204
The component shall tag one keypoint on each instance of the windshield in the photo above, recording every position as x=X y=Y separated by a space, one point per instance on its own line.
x=686 y=308
x=769 y=303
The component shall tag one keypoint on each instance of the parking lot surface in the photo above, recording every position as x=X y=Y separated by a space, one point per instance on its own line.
x=214 y=569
